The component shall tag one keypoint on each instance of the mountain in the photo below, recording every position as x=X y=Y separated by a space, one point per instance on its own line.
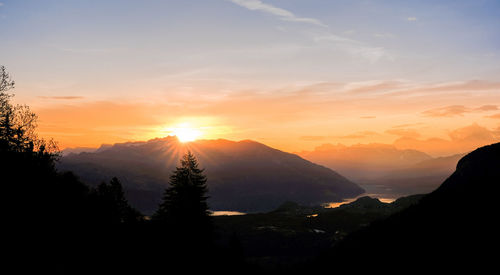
x=242 y=176
x=77 y=150
x=364 y=160
x=385 y=171
x=420 y=178
x=452 y=227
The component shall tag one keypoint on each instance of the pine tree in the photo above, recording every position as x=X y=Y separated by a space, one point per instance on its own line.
x=184 y=207
x=111 y=205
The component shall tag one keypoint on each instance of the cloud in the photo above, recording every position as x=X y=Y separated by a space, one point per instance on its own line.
x=367 y=117
x=354 y=47
x=463 y=86
x=1 y=4
x=383 y=35
x=257 y=5
x=457 y=110
x=407 y=125
x=411 y=133
x=448 y=111
x=473 y=132
x=402 y=88
x=495 y=116
x=359 y=135
x=411 y=18
x=89 y=51
x=372 y=86
x=62 y=97
x=460 y=140
x=486 y=108
x=313 y=138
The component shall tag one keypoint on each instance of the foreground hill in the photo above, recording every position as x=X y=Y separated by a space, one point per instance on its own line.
x=450 y=227
x=278 y=241
x=242 y=176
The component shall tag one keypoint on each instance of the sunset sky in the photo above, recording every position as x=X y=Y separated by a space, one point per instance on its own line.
x=293 y=74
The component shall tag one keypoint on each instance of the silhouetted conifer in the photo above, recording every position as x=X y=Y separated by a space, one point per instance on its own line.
x=111 y=205
x=184 y=207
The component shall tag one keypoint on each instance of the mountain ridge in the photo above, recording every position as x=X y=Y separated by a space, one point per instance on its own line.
x=245 y=175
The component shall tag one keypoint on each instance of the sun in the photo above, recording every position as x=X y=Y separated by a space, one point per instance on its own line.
x=186 y=134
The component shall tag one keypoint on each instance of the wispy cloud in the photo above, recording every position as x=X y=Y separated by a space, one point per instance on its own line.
x=359 y=135
x=411 y=18
x=457 y=110
x=84 y=50
x=486 y=108
x=495 y=116
x=448 y=111
x=447 y=87
x=61 y=97
x=412 y=133
x=356 y=135
x=313 y=138
x=354 y=47
x=407 y=125
x=460 y=140
x=257 y=5
x=383 y=35
x=347 y=45
x=372 y=86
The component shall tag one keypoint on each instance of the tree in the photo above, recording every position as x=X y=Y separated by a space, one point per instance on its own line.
x=6 y=83
x=61 y=222
x=184 y=207
x=111 y=207
x=18 y=124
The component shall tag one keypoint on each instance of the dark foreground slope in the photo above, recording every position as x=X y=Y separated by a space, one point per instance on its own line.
x=284 y=239
x=453 y=227
x=243 y=176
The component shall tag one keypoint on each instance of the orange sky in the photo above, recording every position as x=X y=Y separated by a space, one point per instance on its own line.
x=437 y=118
x=291 y=74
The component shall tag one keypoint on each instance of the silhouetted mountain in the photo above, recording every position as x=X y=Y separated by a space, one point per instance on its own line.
x=364 y=203
x=451 y=227
x=242 y=176
x=77 y=150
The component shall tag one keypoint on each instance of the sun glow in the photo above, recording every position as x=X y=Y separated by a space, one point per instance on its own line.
x=185 y=133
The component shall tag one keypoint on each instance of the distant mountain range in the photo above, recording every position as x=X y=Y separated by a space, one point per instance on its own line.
x=385 y=169
x=359 y=160
x=450 y=228
x=242 y=176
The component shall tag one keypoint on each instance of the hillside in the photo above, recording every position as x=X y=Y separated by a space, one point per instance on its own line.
x=242 y=176
x=281 y=240
x=452 y=226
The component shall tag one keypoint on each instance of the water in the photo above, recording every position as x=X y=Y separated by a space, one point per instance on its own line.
x=386 y=198
x=227 y=213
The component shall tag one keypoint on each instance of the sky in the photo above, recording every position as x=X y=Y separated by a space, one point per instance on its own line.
x=293 y=74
